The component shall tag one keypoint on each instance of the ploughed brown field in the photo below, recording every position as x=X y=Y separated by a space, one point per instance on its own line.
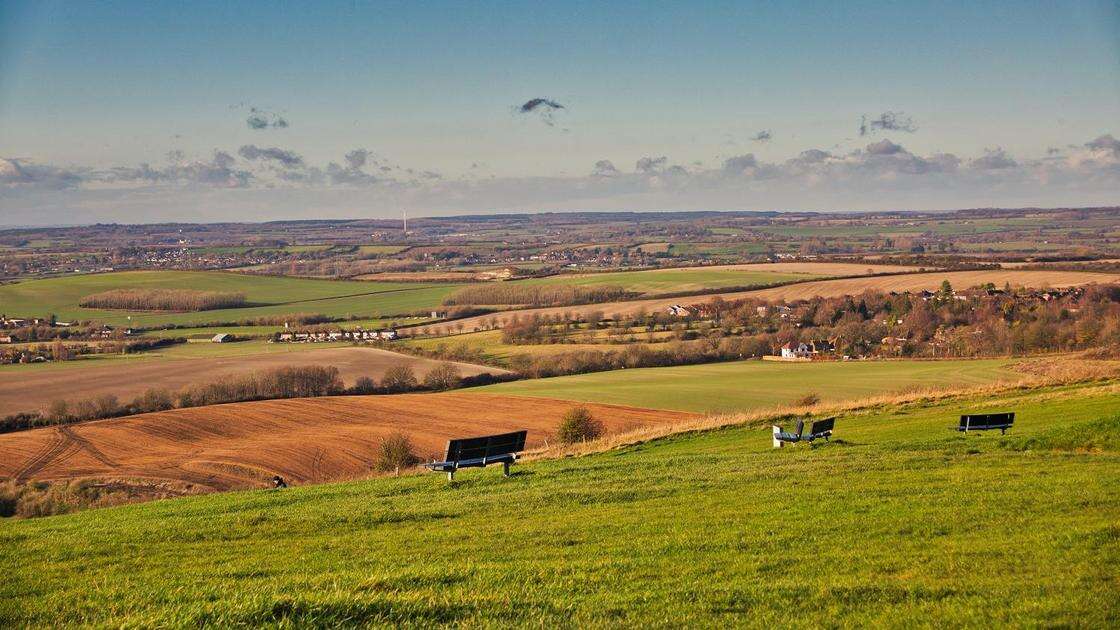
x=31 y=388
x=822 y=288
x=308 y=440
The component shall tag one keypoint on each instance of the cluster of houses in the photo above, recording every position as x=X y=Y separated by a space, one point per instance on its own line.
x=17 y=322
x=335 y=335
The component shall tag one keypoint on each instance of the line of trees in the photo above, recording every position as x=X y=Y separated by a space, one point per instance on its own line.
x=275 y=383
x=510 y=293
x=163 y=300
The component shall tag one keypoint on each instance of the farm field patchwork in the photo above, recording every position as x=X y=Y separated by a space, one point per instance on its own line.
x=266 y=295
x=885 y=526
x=754 y=385
x=33 y=387
x=824 y=288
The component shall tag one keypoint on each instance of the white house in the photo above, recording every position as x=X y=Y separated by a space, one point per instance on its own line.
x=800 y=351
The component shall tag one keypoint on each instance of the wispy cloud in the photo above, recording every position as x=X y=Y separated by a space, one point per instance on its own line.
x=881 y=174
x=287 y=159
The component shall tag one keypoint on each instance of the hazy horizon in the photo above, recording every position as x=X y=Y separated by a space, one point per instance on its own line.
x=140 y=112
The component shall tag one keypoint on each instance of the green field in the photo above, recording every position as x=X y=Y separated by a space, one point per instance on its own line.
x=267 y=295
x=381 y=250
x=728 y=249
x=177 y=351
x=661 y=281
x=264 y=331
x=489 y=342
x=746 y=385
x=899 y=522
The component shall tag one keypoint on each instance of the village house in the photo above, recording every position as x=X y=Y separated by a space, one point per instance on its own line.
x=678 y=311
x=806 y=350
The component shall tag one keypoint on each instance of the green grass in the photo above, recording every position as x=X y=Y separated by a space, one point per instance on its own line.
x=673 y=280
x=899 y=522
x=264 y=331
x=381 y=250
x=489 y=342
x=267 y=295
x=722 y=249
x=178 y=351
x=742 y=385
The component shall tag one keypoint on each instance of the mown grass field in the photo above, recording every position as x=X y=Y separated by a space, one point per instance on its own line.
x=267 y=295
x=490 y=343
x=750 y=385
x=264 y=331
x=898 y=522
x=661 y=281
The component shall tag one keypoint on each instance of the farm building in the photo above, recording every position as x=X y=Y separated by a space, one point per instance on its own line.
x=222 y=338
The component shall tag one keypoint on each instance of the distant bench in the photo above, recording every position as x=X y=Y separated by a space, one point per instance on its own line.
x=819 y=429
x=478 y=452
x=986 y=422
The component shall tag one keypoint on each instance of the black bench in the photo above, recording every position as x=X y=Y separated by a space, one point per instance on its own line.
x=819 y=429
x=986 y=422
x=478 y=452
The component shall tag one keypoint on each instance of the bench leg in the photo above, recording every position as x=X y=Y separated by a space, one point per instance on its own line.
x=505 y=469
x=451 y=475
x=776 y=430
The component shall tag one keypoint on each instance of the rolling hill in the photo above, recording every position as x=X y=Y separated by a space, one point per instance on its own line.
x=267 y=296
x=34 y=387
x=812 y=288
x=898 y=521
x=312 y=440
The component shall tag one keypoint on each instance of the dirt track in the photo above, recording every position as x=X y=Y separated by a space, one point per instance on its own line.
x=804 y=290
x=34 y=387
x=304 y=440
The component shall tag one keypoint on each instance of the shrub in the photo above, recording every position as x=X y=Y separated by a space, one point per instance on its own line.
x=441 y=377
x=578 y=425
x=398 y=378
x=153 y=400
x=808 y=400
x=395 y=452
x=364 y=385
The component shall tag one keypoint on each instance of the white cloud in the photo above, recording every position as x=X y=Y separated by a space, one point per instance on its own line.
x=275 y=182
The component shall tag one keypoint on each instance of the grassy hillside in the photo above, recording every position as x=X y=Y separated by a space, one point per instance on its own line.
x=267 y=296
x=748 y=385
x=898 y=522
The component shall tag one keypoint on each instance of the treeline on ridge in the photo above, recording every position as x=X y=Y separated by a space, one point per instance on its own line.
x=275 y=383
x=163 y=300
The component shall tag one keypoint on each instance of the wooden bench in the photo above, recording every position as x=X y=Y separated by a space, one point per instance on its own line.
x=986 y=422
x=478 y=452
x=819 y=429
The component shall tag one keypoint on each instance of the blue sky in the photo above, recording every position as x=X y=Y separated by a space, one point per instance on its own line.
x=432 y=87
